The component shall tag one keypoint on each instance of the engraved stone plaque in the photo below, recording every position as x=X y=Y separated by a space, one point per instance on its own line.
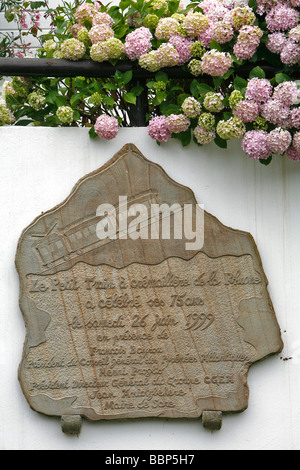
x=127 y=315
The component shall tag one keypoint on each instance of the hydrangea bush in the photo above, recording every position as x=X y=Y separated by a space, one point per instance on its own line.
x=241 y=59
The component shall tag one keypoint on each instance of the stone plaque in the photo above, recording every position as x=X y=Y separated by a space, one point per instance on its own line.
x=128 y=313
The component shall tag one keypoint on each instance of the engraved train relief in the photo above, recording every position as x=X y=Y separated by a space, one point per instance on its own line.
x=55 y=248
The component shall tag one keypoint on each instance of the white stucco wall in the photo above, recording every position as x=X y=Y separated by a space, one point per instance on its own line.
x=38 y=169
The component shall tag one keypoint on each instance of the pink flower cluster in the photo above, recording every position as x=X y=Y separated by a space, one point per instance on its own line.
x=259 y=90
x=274 y=104
x=261 y=144
x=86 y=12
x=256 y=145
x=183 y=48
x=167 y=55
x=106 y=127
x=247 y=42
x=222 y=32
x=216 y=63
x=138 y=43
x=100 y=32
x=282 y=17
x=264 y=6
x=160 y=128
x=166 y=28
x=246 y=110
x=282 y=22
x=278 y=107
x=103 y=18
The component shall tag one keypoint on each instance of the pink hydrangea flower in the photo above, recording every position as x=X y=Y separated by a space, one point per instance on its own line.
x=178 y=123
x=100 y=32
x=247 y=42
x=195 y=23
x=275 y=112
x=287 y=93
x=166 y=28
x=276 y=42
x=296 y=141
x=138 y=43
x=293 y=154
x=290 y=53
x=167 y=55
x=183 y=48
x=158 y=129
x=265 y=5
x=256 y=145
x=204 y=136
x=281 y=18
x=222 y=32
x=103 y=18
x=279 y=140
x=86 y=12
x=258 y=90
x=206 y=36
x=216 y=13
x=106 y=127
x=294 y=34
x=246 y=110
x=216 y=63
x=209 y=5
x=295 y=118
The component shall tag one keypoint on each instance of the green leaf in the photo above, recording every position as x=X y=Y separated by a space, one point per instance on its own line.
x=130 y=98
x=170 y=108
x=257 y=72
x=173 y=6
x=239 y=83
x=108 y=100
x=137 y=90
x=75 y=98
x=181 y=98
x=215 y=45
x=217 y=82
x=121 y=31
x=200 y=88
x=76 y=116
x=266 y=161
x=127 y=76
x=160 y=97
x=23 y=122
x=282 y=77
x=61 y=101
x=9 y=16
x=93 y=133
x=194 y=89
x=220 y=142
x=161 y=77
x=110 y=86
x=150 y=85
x=252 y=4
x=35 y=5
x=184 y=137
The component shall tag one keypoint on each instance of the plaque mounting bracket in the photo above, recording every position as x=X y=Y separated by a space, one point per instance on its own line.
x=71 y=424
x=212 y=420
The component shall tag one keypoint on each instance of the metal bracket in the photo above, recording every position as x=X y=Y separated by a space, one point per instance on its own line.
x=71 y=424
x=212 y=420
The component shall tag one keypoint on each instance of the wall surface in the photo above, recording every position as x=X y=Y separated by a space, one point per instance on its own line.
x=38 y=169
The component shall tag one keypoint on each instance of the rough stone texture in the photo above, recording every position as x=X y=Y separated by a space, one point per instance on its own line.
x=125 y=328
